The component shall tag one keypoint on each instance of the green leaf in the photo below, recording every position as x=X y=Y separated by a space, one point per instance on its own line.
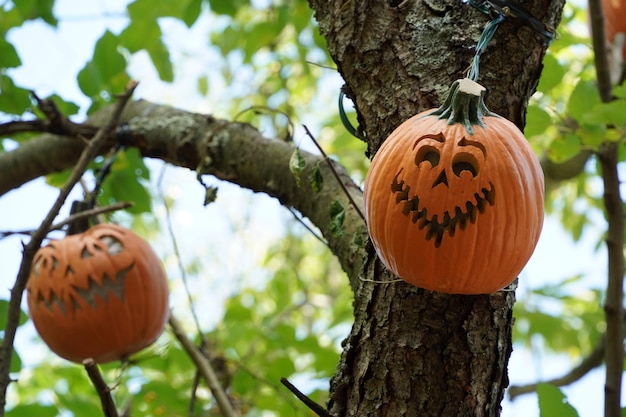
x=203 y=85
x=584 y=96
x=210 y=195
x=145 y=34
x=227 y=7
x=315 y=177
x=552 y=402
x=125 y=187
x=29 y=410
x=552 y=74
x=34 y=9
x=16 y=362
x=58 y=179
x=107 y=69
x=125 y=182
x=160 y=56
x=192 y=12
x=592 y=136
x=8 y=55
x=612 y=113
x=619 y=91
x=4 y=311
x=537 y=121
x=13 y=99
x=67 y=108
x=296 y=166
x=337 y=216
x=564 y=147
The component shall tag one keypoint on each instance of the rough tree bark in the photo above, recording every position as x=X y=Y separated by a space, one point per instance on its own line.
x=413 y=352
x=410 y=352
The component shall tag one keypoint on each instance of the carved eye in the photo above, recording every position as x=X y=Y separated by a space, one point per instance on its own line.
x=427 y=153
x=465 y=162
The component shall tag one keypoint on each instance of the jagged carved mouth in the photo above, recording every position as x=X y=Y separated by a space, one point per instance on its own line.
x=436 y=227
x=108 y=287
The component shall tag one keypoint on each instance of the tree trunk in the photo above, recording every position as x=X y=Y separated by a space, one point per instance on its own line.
x=413 y=352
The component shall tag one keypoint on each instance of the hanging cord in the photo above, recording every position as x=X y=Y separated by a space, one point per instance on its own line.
x=483 y=41
x=500 y=9
x=506 y=8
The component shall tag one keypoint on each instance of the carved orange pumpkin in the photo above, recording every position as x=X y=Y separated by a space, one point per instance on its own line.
x=101 y=294
x=454 y=197
x=614 y=20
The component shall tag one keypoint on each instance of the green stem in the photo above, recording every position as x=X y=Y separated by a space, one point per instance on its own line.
x=465 y=105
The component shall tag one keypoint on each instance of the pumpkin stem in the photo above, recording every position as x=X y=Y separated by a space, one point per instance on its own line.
x=465 y=104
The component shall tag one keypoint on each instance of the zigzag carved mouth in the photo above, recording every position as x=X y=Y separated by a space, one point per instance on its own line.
x=435 y=227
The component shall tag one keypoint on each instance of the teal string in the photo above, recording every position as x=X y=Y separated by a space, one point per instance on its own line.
x=483 y=41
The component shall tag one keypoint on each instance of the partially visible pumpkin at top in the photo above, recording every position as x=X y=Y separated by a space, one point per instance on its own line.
x=454 y=197
x=101 y=294
x=614 y=20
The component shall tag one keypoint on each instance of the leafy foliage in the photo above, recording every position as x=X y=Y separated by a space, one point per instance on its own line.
x=290 y=325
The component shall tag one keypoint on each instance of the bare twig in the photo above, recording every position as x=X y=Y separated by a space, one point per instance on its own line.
x=614 y=206
x=104 y=392
x=55 y=122
x=183 y=275
x=13 y=314
x=204 y=366
x=593 y=360
x=332 y=168
x=313 y=406
x=77 y=216
x=307 y=227
x=170 y=230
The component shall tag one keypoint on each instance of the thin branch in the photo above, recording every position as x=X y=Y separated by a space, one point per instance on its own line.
x=170 y=230
x=313 y=406
x=593 y=360
x=55 y=122
x=104 y=392
x=609 y=157
x=13 y=314
x=76 y=216
x=600 y=50
x=332 y=168
x=261 y=379
x=613 y=305
x=204 y=366
x=307 y=227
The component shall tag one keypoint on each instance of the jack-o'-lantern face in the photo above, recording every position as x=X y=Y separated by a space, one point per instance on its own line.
x=454 y=197
x=101 y=294
x=449 y=188
x=97 y=270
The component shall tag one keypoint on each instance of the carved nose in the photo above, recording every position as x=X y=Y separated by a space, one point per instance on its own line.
x=441 y=179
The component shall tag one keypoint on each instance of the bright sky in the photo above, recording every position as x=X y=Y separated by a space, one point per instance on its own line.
x=51 y=60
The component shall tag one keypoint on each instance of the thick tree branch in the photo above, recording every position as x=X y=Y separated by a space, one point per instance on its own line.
x=233 y=152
